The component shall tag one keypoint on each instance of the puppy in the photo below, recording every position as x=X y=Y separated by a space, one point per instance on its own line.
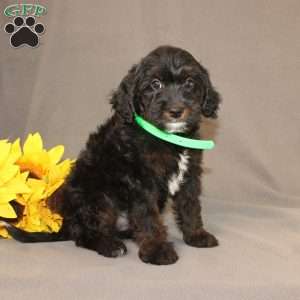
x=124 y=176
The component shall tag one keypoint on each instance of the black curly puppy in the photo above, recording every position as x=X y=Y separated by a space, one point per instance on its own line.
x=122 y=180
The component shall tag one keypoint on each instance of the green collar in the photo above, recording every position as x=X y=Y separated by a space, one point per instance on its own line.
x=173 y=138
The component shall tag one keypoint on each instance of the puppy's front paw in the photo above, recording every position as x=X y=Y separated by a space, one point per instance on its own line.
x=111 y=248
x=201 y=239
x=158 y=253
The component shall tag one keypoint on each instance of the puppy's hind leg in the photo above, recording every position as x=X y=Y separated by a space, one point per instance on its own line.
x=95 y=229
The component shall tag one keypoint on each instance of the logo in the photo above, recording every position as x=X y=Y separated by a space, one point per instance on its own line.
x=24 y=29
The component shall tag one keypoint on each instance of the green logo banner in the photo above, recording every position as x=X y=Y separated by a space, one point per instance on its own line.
x=23 y=9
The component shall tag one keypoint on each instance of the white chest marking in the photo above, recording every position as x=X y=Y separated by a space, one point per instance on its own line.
x=177 y=178
x=122 y=222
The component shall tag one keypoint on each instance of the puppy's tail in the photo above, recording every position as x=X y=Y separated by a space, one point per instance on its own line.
x=34 y=237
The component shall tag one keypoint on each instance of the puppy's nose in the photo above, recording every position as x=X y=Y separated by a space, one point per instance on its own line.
x=176 y=112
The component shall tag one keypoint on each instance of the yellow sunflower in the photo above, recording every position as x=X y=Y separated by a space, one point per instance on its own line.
x=12 y=182
x=37 y=216
x=30 y=177
x=46 y=175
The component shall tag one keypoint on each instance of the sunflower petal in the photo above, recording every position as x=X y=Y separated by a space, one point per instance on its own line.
x=15 y=152
x=56 y=154
x=3 y=232
x=51 y=189
x=4 y=151
x=5 y=196
x=17 y=185
x=37 y=189
x=8 y=172
x=33 y=143
x=65 y=167
x=22 y=199
x=6 y=211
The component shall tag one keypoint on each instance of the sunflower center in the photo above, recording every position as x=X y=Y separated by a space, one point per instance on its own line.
x=35 y=171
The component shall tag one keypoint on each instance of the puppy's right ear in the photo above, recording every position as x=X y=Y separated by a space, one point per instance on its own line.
x=123 y=98
x=212 y=99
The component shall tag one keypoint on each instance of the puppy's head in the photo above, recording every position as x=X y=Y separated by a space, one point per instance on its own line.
x=168 y=88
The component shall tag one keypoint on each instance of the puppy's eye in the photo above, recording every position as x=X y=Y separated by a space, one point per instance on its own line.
x=189 y=84
x=156 y=84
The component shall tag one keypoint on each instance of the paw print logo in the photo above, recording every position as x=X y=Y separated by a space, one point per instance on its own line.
x=24 y=31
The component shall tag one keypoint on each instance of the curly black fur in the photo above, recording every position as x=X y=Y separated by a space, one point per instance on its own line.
x=123 y=169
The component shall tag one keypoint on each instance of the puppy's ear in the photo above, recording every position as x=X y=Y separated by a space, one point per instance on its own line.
x=211 y=101
x=123 y=98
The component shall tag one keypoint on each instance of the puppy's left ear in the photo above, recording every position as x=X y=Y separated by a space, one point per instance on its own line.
x=211 y=101
x=123 y=98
